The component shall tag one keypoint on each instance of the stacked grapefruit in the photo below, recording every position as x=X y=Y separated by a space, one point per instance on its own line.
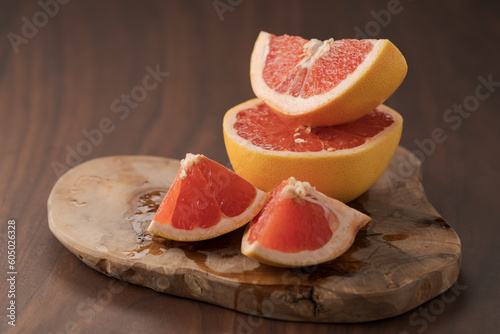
x=317 y=135
x=319 y=115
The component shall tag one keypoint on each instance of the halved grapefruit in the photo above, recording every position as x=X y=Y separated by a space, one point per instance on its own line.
x=324 y=83
x=205 y=200
x=341 y=161
x=300 y=226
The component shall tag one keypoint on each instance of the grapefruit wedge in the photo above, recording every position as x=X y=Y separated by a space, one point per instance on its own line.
x=324 y=83
x=205 y=200
x=341 y=161
x=300 y=226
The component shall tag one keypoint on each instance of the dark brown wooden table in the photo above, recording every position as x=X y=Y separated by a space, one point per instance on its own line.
x=85 y=79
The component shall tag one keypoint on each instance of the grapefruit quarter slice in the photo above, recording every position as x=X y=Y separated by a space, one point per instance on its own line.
x=300 y=226
x=324 y=83
x=205 y=200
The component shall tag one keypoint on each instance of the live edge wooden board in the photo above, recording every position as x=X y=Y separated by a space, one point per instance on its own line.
x=405 y=256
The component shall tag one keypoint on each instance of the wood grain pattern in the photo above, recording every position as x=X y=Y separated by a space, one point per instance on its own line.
x=406 y=255
x=64 y=79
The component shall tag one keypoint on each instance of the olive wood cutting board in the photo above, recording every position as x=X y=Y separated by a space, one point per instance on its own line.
x=406 y=255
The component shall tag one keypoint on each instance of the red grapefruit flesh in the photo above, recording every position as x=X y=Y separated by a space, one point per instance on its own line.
x=300 y=226
x=205 y=200
x=264 y=128
x=341 y=59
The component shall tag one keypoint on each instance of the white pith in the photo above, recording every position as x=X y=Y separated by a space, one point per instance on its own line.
x=301 y=105
x=314 y=50
x=298 y=189
x=303 y=191
x=190 y=160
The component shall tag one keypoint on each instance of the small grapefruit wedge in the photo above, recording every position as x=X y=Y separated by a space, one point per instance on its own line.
x=341 y=161
x=324 y=83
x=300 y=226
x=205 y=200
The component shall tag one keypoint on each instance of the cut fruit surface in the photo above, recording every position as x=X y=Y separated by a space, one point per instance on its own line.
x=341 y=161
x=324 y=83
x=300 y=226
x=205 y=200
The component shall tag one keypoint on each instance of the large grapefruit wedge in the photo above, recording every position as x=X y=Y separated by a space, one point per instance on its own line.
x=341 y=161
x=205 y=200
x=300 y=226
x=324 y=83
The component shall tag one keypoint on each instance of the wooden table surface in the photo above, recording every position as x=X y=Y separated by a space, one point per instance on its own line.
x=156 y=77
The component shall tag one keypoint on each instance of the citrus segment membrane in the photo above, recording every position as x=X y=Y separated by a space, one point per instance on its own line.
x=189 y=202
x=300 y=226
x=305 y=68
x=264 y=128
x=233 y=193
x=205 y=200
